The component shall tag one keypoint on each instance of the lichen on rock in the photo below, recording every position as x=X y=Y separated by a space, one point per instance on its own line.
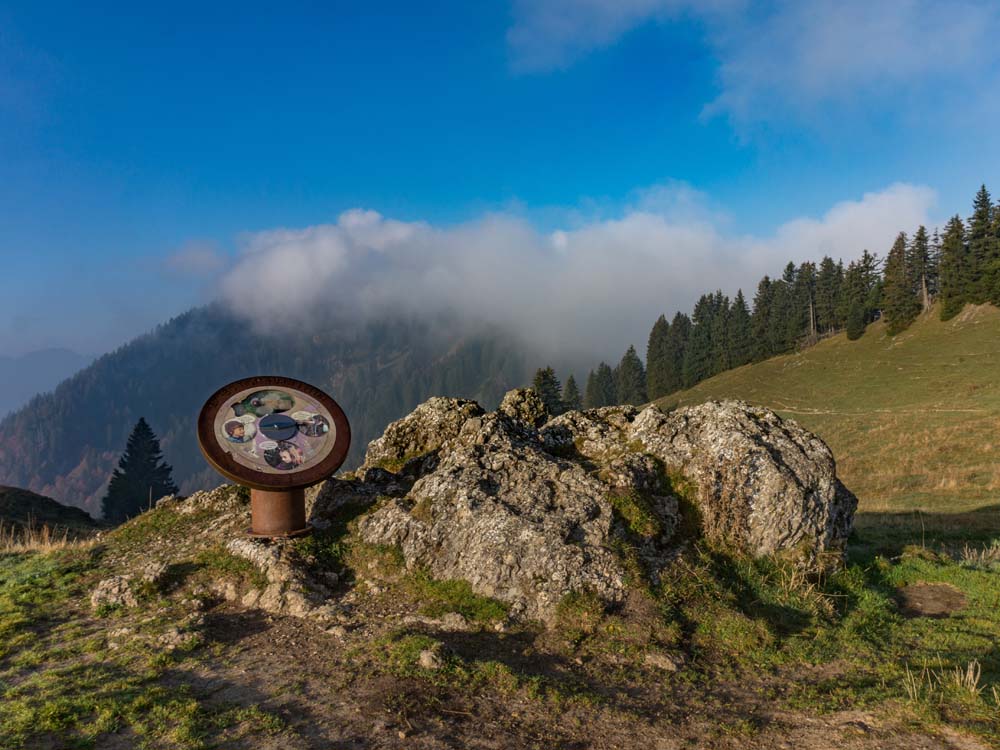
x=528 y=511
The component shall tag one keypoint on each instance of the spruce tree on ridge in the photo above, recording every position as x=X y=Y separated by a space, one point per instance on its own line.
x=142 y=477
x=630 y=379
x=571 y=395
x=546 y=384
x=901 y=304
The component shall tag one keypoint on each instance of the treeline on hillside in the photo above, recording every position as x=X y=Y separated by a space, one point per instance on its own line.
x=807 y=302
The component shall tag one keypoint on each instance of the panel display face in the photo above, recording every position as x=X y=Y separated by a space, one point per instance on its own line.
x=275 y=430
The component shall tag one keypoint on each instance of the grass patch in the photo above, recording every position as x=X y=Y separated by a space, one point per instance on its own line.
x=439 y=597
x=60 y=685
x=218 y=562
x=636 y=514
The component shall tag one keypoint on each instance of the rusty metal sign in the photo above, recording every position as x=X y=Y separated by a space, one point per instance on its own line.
x=276 y=436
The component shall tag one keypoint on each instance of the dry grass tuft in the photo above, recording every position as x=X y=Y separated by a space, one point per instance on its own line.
x=30 y=538
x=985 y=557
x=930 y=683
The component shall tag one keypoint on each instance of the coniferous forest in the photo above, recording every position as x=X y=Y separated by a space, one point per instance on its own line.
x=954 y=266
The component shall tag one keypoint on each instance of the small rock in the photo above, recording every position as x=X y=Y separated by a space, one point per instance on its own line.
x=454 y=621
x=171 y=639
x=338 y=631
x=429 y=659
x=114 y=592
x=153 y=572
x=659 y=660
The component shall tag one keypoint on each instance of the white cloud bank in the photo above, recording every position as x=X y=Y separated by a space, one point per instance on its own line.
x=582 y=292
x=784 y=56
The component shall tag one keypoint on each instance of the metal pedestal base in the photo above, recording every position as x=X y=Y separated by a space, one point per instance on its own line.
x=278 y=513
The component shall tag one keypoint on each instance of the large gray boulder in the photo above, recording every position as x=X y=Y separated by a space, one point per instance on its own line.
x=528 y=514
x=516 y=522
x=761 y=484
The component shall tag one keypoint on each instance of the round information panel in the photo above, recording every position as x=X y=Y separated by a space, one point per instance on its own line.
x=269 y=432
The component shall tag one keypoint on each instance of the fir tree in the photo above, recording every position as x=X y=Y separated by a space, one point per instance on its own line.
x=934 y=280
x=600 y=388
x=142 y=477
x=953 y=269
x=804 y=321
x=657 y=363
x=590 y=392
x=721 y=355
x=920 y=267
x=853 y=296
x=698 y=359
x=855 y=321
x=571 y=395
x=829 y=279
x=872 y=279
x=630 y=377
x=993 y=270
x=546 y=384
x=677 y=339
x=740 y=336
x=760 y=320
x=782 y=318
x=901 y=304
x=983 y=251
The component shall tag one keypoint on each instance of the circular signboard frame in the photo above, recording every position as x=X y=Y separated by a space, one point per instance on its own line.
x=222 y=459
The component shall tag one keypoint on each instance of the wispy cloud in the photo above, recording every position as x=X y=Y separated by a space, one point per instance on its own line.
x=195 y=259
x=587 y=291
x=785 y=58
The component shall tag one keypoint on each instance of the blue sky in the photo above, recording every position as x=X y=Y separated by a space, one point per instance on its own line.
x=147 y=152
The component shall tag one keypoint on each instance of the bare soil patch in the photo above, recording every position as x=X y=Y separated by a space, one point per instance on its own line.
x=937 y=600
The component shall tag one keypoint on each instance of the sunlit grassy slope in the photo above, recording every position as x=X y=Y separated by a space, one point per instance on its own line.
x=914 y=421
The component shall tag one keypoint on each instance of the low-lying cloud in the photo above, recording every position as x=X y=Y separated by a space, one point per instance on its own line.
x=582 y=292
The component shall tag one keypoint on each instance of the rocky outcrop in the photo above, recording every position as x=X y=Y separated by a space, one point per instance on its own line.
x=525 y=405
x=761 y=484
x=292 y=588
x=518 y=523
x=529 y=511
x=525 y=508
x=420 y=433
x=112 y=592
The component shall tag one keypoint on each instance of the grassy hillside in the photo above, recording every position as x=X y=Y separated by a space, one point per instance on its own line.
x=914 y=421
x=22 y=510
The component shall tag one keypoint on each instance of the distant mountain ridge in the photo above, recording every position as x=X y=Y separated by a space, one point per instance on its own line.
x=65 y=444
x=29 y=374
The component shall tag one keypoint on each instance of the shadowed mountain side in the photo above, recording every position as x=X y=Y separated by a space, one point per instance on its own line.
x=65 y=444
x=22 y=508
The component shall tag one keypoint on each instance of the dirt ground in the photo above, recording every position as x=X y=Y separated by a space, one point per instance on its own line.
x=330 y=697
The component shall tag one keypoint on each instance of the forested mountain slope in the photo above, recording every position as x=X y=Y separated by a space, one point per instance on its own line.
x=64 y=444
x=913 y=420
x=35 y=372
